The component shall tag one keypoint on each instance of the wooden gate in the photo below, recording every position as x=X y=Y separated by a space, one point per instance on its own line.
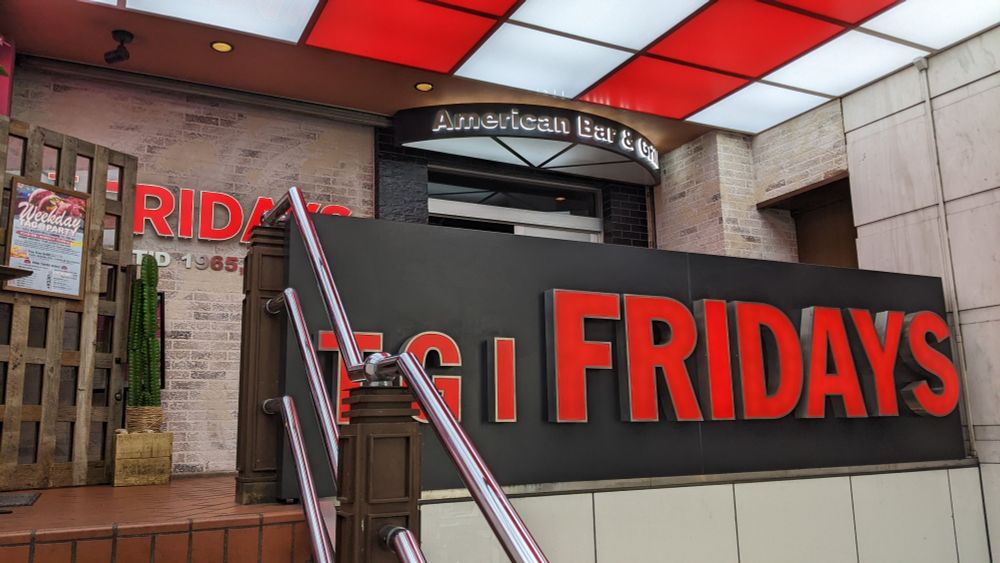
x=61 y=372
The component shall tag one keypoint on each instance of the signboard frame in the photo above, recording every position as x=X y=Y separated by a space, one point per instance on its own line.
x=12 y=216
x=473 y=288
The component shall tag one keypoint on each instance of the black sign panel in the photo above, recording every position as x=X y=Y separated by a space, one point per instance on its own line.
x=505 y=121
x=403 y=279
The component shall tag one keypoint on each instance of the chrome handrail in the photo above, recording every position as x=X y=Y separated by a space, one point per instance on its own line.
x=507 y=525
x=323 y=548
x=350 y=354
x=314 y=374
x=380 y=368
x=403 y=543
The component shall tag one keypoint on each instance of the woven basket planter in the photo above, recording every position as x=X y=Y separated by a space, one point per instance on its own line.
x=143 y=419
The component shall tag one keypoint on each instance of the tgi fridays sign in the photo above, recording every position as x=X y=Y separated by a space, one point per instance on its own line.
x=573 y=362
x=203 y=215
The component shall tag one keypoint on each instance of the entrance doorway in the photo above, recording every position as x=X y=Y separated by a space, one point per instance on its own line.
x=824 y=224
x=549 y=210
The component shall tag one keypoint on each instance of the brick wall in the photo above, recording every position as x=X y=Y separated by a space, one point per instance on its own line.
x=800 y=152
x=688 y=212
x=707 y=202
x=625 y=215
x=402 y=180
x=748 y=231
x=202 y=143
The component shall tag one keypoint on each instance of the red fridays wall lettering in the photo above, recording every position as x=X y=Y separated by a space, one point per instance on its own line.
x=815 y=364
x=220 y=216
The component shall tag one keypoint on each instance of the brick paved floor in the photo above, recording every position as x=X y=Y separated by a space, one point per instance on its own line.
x=193 y=519
x=186 y=498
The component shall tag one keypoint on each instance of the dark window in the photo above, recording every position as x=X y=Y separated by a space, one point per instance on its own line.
x=471 y=224
x=500 y=192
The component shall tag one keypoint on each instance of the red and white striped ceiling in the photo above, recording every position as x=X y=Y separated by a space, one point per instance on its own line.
x=745 y=65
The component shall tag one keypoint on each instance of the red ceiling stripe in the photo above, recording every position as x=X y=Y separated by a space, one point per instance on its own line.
x=659 y=87
x=850 y=11
x=744 y=37
x=407 y=32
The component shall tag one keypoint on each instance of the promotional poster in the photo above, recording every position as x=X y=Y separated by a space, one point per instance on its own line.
x=46 y=236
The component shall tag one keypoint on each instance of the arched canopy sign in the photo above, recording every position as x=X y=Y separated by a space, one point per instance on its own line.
x=538 y=137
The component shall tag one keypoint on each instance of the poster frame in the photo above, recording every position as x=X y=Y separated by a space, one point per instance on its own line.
x=86 y=235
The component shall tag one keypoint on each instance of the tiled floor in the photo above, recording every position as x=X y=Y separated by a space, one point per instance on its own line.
x=192 y=519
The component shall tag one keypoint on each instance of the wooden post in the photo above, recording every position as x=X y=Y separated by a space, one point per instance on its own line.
x=380 y=472
x=259 y=436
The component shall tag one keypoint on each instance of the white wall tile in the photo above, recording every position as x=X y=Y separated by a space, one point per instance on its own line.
x=991 y=497
x=893 y=93
x=794 y=521
x=987 y=431
x=456 y=532
x=974 y=231
x=968 y=136
x=982 y=358
x=904 y=517
x=674 y=525
x=891 y=167
x=965 y=62
x=908 y=244
x=562 y=524
x=988 y=451
x=970 y=520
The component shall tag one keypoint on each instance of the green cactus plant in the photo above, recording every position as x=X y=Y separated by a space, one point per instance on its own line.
x=143 y=342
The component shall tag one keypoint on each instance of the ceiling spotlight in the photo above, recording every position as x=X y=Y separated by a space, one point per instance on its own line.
x=560 y=198
x=119 y=53
x=222 y=46
x=423 y=86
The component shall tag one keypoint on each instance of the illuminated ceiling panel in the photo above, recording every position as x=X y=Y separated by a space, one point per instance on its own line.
x=627 y=23
x=936 y=23
x=745 y=37
x=756 y=108
x=848 y=62
x=278 y=19
x=662 y=88
x=533 y=60
x=492 y=7
x=850 y=11
x=701 y=60
x=386 y=31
